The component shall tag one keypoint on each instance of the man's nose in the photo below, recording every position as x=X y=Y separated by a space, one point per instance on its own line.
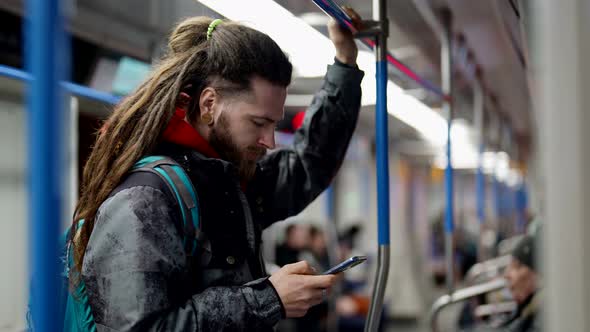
x=268 y=139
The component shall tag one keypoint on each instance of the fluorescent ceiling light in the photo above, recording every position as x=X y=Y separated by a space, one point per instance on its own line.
x=298 y=100
x=493 y=163
x=315 y=18
x=464 y=154
x=428 y=122
x=502 y=166
x=308 y=49
x=489 y=162
x=513 y=178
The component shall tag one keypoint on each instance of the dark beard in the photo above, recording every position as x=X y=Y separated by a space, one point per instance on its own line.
x=220 y=139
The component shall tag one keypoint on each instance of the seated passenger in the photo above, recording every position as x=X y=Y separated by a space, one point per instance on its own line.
x=523 y=281
x=316 y=253
x=296 y=241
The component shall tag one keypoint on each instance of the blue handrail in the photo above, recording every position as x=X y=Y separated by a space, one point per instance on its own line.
x=74 y=89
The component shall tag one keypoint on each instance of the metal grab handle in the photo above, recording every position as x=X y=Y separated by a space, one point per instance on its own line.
x=485 y=310
x=486 y=267
x=462 y=295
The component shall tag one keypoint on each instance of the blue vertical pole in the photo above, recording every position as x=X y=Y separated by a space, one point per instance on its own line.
x=381 y=134
x=382 y=159
x=497 y=197
x=447 y=84
x=508 y=196
x=480 y=180
x=512 y=202
x=330 y=203
x=449 y=190
x=478 y=119
x=331 y=237
x=480 y=185
x=383 y=212
x=521 y=207
x=45 y=155
x=449 y=214
x=480 y=188
x=381 y=120
x=331 y=226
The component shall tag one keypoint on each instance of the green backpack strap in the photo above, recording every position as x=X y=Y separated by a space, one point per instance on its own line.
x=78 y=315
x=184 y=192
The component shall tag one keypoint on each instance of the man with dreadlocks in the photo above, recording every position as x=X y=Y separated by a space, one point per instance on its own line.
x=211 y=105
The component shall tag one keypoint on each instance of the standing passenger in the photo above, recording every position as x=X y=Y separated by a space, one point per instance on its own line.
x=212 y=105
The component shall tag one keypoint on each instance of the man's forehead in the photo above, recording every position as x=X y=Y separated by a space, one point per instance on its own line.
x=263 y=88
x=249 y=108
x=268 y=100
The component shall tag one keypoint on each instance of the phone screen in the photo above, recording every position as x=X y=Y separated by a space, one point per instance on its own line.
x=347 y=264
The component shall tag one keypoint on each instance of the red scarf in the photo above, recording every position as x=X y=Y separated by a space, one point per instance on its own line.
x=180 y=132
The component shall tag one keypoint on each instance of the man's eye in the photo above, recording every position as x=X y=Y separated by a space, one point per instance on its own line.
x=258 y=123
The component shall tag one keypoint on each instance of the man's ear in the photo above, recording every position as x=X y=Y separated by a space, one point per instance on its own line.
x=207 y=100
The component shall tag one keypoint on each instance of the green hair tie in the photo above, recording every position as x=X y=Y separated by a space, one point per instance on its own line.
x=212 y=27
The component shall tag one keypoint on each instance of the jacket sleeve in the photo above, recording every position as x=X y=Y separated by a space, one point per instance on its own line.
x=134 y=268
x=291 y=178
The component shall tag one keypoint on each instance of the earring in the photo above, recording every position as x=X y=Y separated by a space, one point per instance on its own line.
x=207 y=118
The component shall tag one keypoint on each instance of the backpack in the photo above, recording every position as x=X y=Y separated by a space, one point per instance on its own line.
x=73 y=303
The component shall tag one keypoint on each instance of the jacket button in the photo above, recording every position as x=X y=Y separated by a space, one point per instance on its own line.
x=231 y=211
x=230 y=260
x=259 y=200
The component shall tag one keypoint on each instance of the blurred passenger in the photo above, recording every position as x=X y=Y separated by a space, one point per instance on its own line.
x=317 y=252
x=437 y=250
x=465 y=250
x=523 y=281
x=296 y=241
x=465 y=257
x=352 y=307
x=212 y=105
x=347 y=241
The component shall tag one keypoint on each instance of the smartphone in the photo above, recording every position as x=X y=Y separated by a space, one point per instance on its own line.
x=347 y=264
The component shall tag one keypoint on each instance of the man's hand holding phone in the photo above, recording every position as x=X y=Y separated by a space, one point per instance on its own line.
x=299 y=287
